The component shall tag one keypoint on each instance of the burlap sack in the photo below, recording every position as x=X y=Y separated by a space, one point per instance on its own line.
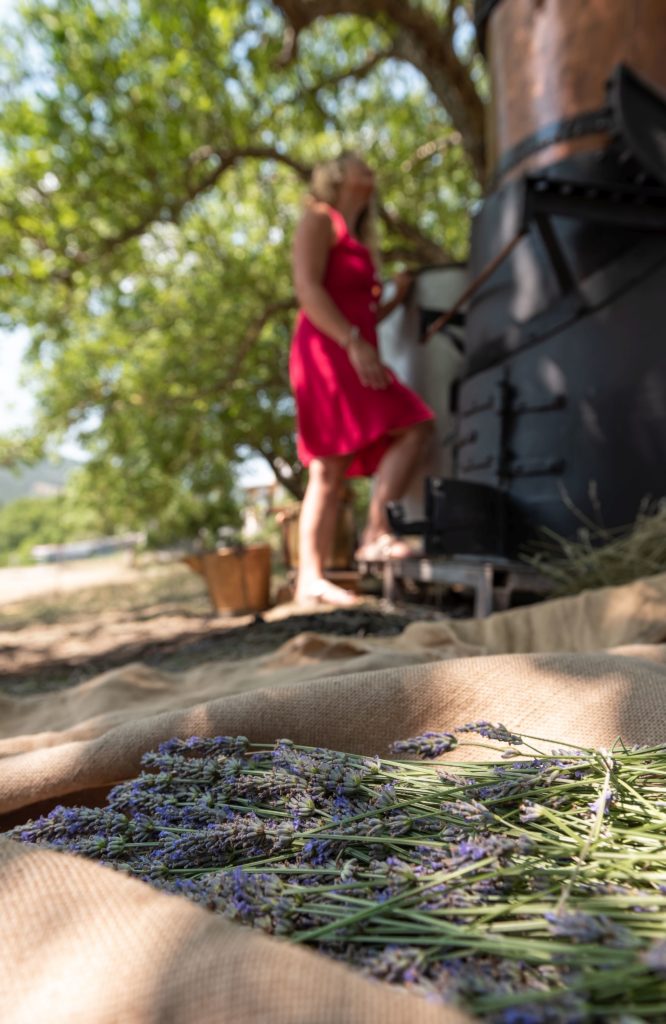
x=602 y=619
x=135 y=690
x=83 y=943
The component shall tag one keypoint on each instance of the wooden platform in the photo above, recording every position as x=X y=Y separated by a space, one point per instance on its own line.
x=492 y=580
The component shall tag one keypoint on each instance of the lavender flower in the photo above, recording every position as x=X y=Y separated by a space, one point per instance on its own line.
x=567 y=1010
x=607 y=801
x=497 y=732
x=348 y=852
x=468 y=810
x=593 y=928
x=428 y=745
x=393 y=963
x=530 y=811
x=655 y=957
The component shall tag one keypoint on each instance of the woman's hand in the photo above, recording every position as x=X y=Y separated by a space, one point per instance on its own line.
x=365 y=360
x=403 y=283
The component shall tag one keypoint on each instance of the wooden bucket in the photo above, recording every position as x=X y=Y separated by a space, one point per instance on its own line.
x=344 y=541
x=238 y=579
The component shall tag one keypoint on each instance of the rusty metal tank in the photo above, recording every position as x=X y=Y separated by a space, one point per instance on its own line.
x=549 y=62
x=563 y=405
x=560 y=412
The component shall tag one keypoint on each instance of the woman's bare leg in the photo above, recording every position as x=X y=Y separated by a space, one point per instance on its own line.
x=396 y=471
x=316 y=530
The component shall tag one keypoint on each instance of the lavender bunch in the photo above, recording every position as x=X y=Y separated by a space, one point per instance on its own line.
x=528 y=889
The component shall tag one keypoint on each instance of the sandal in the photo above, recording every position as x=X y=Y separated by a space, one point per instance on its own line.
x=325 y=592
x=383 y=548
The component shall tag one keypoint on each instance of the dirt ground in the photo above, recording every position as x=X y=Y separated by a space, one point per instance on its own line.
x=60 y=625
x=29 y=582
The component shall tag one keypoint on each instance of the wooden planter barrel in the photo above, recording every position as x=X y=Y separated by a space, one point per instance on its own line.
x=238 y=579
x=549 y=61
x=344 y=540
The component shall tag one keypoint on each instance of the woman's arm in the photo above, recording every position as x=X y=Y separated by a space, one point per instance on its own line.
x=403 y=284
x=312 y=244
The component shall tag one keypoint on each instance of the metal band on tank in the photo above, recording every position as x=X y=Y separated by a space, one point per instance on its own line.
x=593 y=122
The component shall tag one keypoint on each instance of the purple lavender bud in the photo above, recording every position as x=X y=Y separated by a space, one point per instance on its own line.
x=284 y=835
x=400 y=824
x=451 y=778
x=205 y=746
x=302 y=805
x=608 y=800
x=469 y=810
x=391 y=963
x=348 y=870
x=589 y=928
x=655 y=957
x=492 y=731
x=317 y=852
x=428 y=745
x=530 y=811
x=400 y=869
x=116 y=846
x=564 y=1011
x=385 y=796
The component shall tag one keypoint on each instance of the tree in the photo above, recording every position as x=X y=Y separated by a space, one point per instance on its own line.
x=154 y=161
x=26 y=522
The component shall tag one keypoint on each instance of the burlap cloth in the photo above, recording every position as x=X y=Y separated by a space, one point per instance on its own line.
x=81 y=943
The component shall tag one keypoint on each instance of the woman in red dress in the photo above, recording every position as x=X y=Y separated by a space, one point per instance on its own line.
x=354 y=417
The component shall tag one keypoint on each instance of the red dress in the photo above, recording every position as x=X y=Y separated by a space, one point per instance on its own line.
x=336 y=414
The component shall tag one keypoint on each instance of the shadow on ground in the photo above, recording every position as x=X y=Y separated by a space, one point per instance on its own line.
x=175 y=651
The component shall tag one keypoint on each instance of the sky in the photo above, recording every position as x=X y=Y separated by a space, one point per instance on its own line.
x=16 y=404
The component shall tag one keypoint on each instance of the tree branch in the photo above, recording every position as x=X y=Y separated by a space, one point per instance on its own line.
x=420 y=40
x=422 y=248
x=293 y=483
x=289 y=51
x=252 y=335
x=428 y=149
x=155 y=212
x=360 y=71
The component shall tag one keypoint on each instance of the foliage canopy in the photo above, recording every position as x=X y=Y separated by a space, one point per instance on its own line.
x=154 y=158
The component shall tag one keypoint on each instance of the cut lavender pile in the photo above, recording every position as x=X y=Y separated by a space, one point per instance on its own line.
x=528 y=889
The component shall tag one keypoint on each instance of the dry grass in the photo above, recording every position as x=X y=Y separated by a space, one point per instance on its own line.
x=601 y=557
x=156 y=589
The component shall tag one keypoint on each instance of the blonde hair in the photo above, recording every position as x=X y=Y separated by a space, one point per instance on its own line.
x=325 y=182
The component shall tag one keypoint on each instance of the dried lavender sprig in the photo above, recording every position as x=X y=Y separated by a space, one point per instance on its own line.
x=494 y=877
x=427 y=745
x=491 y=731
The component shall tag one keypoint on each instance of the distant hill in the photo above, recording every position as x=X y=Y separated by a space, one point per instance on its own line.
x=35 y=482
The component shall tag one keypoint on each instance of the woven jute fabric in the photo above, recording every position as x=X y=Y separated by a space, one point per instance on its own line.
x=610 y=618
x=83 y=943
x=588 y=699
x=93 y=734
